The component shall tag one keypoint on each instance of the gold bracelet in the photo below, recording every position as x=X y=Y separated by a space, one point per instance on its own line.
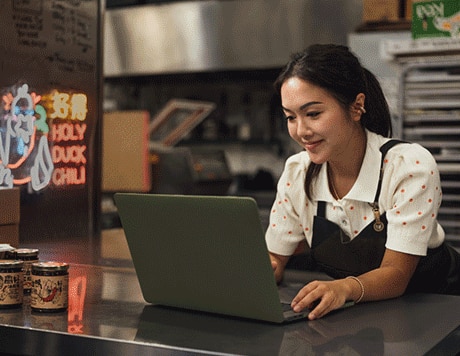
x=361 y=285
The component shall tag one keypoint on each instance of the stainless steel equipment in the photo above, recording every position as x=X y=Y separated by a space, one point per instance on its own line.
x=430 y=109
x=183 y=170
x=220 y=35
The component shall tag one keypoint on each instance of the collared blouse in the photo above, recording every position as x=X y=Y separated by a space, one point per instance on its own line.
x=410 y=196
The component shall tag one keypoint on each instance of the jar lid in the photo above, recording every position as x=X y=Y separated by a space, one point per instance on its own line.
x=6 y=247
x=23 y=252
x=50 y=266
x=11 y=264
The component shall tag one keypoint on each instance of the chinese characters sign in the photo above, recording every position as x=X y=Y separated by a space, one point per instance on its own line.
x=42 y=138
x=50 y=104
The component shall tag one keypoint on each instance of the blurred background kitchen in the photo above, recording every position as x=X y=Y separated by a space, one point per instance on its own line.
x=186 y=103
x=228 y=53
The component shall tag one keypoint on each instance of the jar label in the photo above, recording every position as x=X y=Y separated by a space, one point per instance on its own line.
x=28 y=274
x=49 y=292
x=11 y=291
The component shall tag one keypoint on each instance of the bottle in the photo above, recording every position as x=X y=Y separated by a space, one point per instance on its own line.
x=50 y=287
x=28 y=256
x=11 y=280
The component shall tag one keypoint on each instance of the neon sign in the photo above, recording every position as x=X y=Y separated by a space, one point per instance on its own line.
x=42 y=138
x=68 y=111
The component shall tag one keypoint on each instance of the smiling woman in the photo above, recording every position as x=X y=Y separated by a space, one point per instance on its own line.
x=365 y=205
x=316 y=121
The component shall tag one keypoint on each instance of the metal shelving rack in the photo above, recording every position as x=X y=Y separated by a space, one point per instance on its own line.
x=430 y=115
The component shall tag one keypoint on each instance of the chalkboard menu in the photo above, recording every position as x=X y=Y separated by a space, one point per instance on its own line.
x=50 y=82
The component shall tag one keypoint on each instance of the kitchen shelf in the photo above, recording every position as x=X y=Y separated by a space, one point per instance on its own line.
x=430 y=116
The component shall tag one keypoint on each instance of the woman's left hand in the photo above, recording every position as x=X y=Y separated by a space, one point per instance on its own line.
x=321 y=297
x=390 y=280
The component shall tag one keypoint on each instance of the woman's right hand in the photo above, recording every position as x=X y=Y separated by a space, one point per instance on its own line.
x=274 y=265
x=278 y=264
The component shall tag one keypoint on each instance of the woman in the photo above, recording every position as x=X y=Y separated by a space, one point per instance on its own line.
x=375 y=233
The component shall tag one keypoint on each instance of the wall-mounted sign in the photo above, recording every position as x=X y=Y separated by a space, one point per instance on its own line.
x=50 y=80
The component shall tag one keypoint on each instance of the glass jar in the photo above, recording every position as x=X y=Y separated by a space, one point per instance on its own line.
x=29 y=256
x=11 y=280
x=50 y=287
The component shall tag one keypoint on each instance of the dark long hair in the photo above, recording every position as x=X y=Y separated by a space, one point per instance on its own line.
x=337 y=70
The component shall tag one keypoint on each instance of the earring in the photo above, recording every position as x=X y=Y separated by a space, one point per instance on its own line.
x=361 y=108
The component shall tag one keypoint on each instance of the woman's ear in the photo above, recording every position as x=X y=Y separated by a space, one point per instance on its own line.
x=358 y=108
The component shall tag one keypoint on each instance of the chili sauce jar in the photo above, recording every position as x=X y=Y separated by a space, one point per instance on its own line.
x=29 y=256
x=11 y=280
x=50 y=287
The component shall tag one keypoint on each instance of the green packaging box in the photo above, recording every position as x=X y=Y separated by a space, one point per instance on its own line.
x=438 y=18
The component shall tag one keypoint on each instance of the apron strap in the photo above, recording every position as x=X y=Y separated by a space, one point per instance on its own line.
x=384 y=149
x=321 y=210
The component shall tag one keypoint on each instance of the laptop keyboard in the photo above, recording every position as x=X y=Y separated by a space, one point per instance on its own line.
x=286 y=307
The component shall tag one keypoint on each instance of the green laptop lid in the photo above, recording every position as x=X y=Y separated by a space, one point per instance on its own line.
x=203 y=253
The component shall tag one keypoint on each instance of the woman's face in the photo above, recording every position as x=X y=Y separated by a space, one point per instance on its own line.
x=317 y=121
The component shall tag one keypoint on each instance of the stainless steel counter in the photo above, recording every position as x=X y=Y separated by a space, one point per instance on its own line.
x=107 y=316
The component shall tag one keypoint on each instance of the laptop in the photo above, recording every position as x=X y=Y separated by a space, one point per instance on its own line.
x=203 y=253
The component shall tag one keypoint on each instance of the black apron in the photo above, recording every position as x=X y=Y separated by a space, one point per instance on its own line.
x=334 y=253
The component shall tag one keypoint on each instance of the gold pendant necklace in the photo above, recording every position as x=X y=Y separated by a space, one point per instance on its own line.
x=332 y=186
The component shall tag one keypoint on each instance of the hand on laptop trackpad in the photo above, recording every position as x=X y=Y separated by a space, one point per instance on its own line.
x=287 y=292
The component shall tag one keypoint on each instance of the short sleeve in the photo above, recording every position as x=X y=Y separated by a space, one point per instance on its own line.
x=287 y=216
x=411 y=192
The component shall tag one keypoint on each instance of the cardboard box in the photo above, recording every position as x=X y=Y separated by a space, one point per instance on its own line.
x=381 y=10
x=408 y=9
x=125 y=151
x=9 y=234
x=9 y=216
x=9 y=206
x=436 y=18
